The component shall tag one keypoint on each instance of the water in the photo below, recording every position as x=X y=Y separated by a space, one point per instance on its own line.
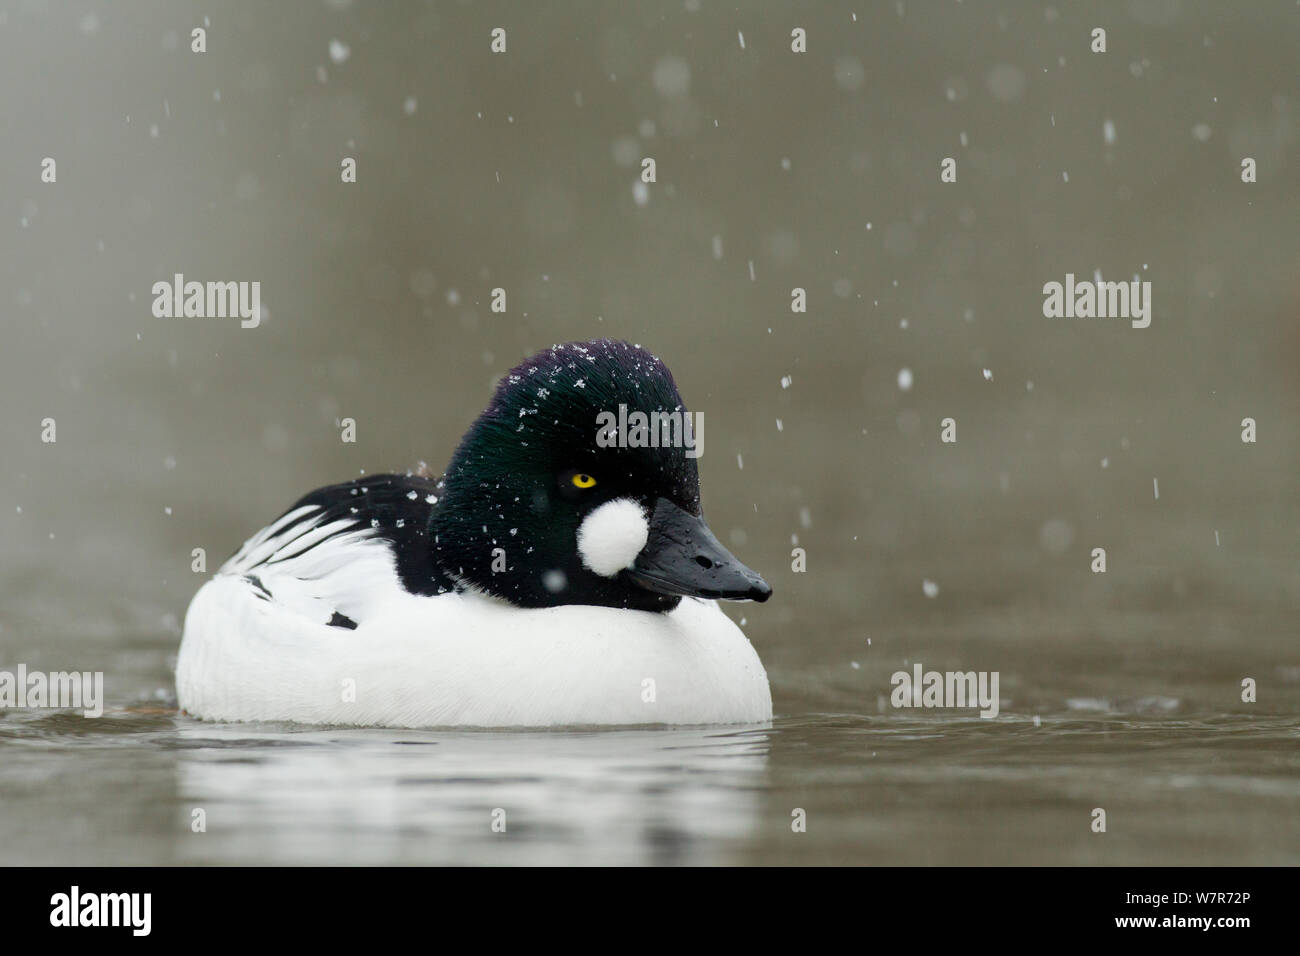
x=1180 y=784
x=1120 y=691
x=873 y=791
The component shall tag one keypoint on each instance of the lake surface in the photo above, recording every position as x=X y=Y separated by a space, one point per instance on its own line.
x=1180 y=784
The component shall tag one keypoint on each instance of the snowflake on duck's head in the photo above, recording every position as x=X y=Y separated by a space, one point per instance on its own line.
x=547 y=412
x=590 y=377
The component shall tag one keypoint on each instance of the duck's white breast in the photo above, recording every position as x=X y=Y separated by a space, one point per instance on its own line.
x=465 y=660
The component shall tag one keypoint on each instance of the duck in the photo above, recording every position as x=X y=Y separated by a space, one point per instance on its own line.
x=555 y=575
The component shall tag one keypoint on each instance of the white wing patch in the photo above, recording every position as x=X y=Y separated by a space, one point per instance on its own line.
x=317 y=568
x=262 y=545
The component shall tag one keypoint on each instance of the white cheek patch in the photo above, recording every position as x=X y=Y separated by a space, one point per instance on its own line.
x=611 y=537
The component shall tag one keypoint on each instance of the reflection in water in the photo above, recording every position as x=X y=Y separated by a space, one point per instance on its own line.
x=364 y=796
x=896 y=787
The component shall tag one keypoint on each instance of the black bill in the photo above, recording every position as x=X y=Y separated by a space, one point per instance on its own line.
x=682 y=557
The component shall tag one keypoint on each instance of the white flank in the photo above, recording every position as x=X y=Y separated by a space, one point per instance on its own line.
x=457 y=659
x=463 y=660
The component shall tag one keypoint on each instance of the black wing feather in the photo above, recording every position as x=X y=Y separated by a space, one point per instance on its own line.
x=398 y=509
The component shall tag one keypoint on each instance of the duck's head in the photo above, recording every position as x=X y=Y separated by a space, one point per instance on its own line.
x=543 y=505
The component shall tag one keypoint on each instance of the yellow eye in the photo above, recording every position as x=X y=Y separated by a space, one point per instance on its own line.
x=583 y=481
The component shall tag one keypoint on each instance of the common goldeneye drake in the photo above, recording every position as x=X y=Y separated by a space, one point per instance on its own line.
x=553 y=576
